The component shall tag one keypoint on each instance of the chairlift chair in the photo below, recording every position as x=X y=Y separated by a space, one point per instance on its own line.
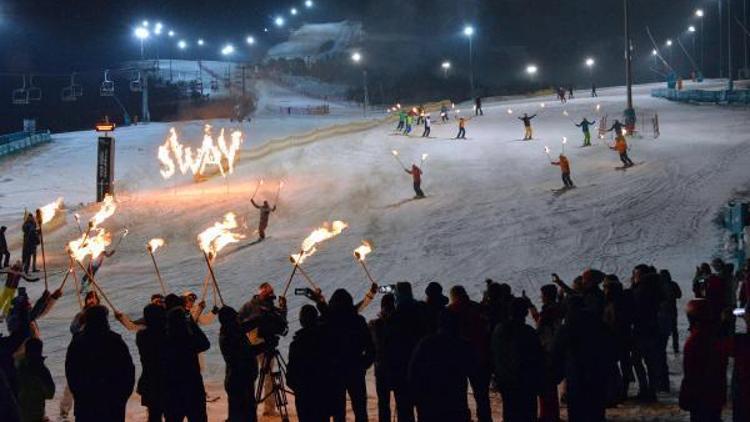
x=107 y=88
x=214 y=85
x=35 y=93
x=136 y=85
x=21 y=95
x=72 y=91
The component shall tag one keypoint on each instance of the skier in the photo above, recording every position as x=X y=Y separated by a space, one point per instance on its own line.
x=526 y=119
x=30 y=243
x=11 y=284
x=409 y=121
x=584 y=125
x=478 y=107
x=4 y=249
x=593 y=90
x=420 y=115
x=461 y=128
x=565 y=168
x=617 y=127
x=265 y=212
x=427 y=124
x=401 y=120
x=561 y=94
x=570 y=92
x=416 y=175
x=444 y=113
x=621 y=146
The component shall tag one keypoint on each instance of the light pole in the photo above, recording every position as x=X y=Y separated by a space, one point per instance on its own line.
x=730 y=70
x=309 y=4
x=691 y=31
x=142 y=34
x=629 y=111
x=668 y=44
x=699 y=14
x=469 y=33
x=357 y=58
x=590 y=64
x=721 y=44
x=446 y=65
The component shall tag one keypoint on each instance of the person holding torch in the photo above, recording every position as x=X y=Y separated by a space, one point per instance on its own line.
x=416 y=176
x=565 y=169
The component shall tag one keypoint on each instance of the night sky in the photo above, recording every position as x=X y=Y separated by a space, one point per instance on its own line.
x=557 y=35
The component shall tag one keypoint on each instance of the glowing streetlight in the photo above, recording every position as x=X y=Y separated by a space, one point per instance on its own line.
x=357 y=58
x=144 y=24
x=279 y=21
x=293 y=11
x=669 y=43
x=691 y=28
x=469 y=33
x=532 y=70
x=142 y=34
x=699 y=13
x=200 y=41
x=227 y=50
x=250 y=40
x=170 y=33
x=590 y=62
x=654 y=52
x=308 y=4
x=182 y=44
x=446 y=65
x=157 y=28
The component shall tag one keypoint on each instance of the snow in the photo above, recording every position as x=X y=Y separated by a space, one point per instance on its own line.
x=318 y=40
x=490 y=210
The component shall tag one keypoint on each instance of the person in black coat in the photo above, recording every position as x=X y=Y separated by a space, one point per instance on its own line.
x=648 y=296
x=4 y=252
x=241 y=367
x=352 y=353
x=310 y=368
x=519 y=364
x=403 y=331
x=151 y=342
x=583 y=354
x=186 y=395
x=439 y=372
x=30 y=243
x=433 y=305
x=383 y=382
x=99 y=370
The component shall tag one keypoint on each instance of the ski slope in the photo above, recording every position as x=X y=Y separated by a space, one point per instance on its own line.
x=490 y=212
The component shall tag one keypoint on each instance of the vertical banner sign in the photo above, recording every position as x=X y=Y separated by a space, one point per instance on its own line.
x=105 y=167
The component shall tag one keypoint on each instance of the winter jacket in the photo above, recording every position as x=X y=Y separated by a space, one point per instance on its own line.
x=240 y=358
x=152 y=343
x=621 y=145
x=9 y=410
x=30 y=235
x=185 y=340
x=705 y=360
x=741 y=376
x=438 y=373
x=526 y=120
x=265 y=212
x=8 y=346
x=518 y=359
x=404 y=329
x=617 y=127
x=35 y=386
x=3 y=242
x=100 y=374
x=564 y=164
x=351 y=348
x=473 y=328
x=377 y=329
x=648 y=297
x=431 y=311
x=584 y=125
x=416 y=174
x=310 y=365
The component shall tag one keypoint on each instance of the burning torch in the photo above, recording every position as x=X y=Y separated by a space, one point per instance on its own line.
x=360 y=253
x=151 y=247
x=214 y=239
x=395 y=155
x=546 y=151
x=308 y=248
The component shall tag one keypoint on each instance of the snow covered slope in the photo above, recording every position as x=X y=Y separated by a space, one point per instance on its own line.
x=490 y=210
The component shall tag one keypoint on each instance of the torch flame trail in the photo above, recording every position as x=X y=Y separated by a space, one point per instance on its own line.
x=48 y=211
x=318 y=235
x=363 y=250
x=215 y=238
x=155 y=244
x=106 y=211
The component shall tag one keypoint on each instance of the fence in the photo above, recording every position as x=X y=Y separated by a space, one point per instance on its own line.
x=15 y=142
x=306 y=110
x=737 y=96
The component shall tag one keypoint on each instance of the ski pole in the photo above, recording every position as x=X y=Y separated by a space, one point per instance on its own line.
x=395 y=155
x=41 y=241
x=278 y=192
x=260 y=182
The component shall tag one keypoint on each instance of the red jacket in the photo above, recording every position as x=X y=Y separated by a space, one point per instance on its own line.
x=416 y=174
x=716 y=293
x=704 y=386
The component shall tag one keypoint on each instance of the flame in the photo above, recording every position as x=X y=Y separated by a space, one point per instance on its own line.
x=565 y=140
x=394 y=152
x=90 y=245
x=48 y=211
x=398 y=105
x=624 y=131
x=424 y=156
x=361 y=252
x=565 y=112
x=414 y=109
x=546 y=149
x=318 y=235
x=219 y=153
x=510 y=111
x=214 y=238
x=543 y=105
x=598 y=106
x=155 y=244
x=106 y=211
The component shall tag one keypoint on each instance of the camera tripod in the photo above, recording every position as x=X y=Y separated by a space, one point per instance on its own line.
x=278 y=386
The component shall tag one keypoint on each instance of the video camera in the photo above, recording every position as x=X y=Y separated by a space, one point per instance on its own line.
x=266 y=327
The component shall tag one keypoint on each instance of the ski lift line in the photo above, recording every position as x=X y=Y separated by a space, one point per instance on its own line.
x=658 y=51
